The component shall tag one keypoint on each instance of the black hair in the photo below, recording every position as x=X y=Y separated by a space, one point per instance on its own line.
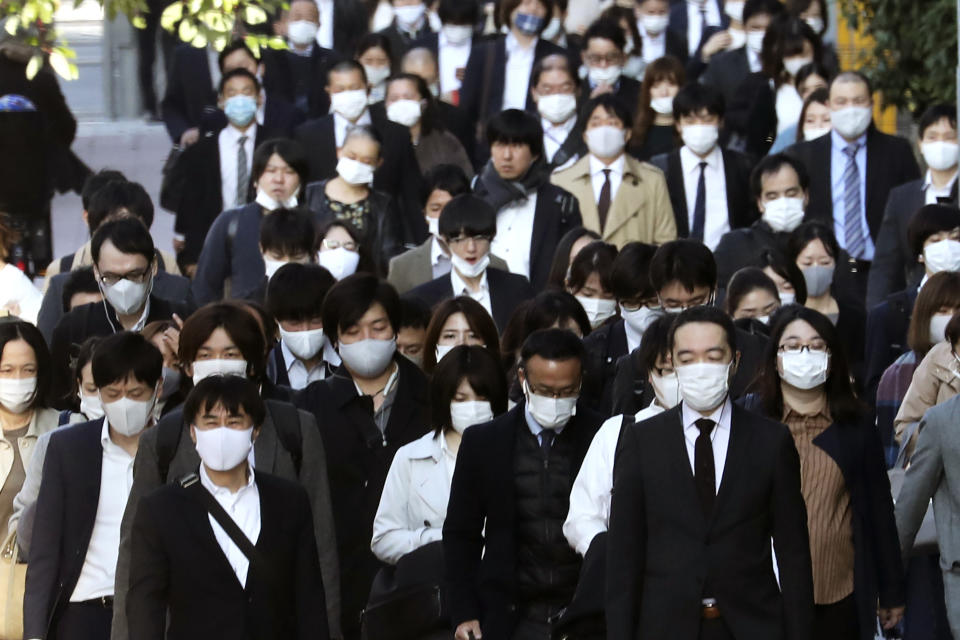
x=630 y=274
x=796 y=7
x=656 y=343
x=688 y=262
x=553 y=62
x=952 y=331
x=785 y=38
x=239 y=72
x=694 y=97
x=853 y=76
x=469 y=215
x=365 y=264
x=807 y=233
x=349 y=299
x=414 y=313
x=238 y=322
x=507 y=7
x=819 y=96
x=128 y=235
x=233 y=393
x=746 y=281
x=289 y=151
x=482 y=371
x=935 y=114
x=235 y=45
x=786 y=269
x=430 y=118
x=772 y=8
x=458 y=12
x=95 y=181
x=929 y=220
x=513 y=126
x=815 y=68
x=289 y=232
x=296 y=291
x=605 y=29
x=552 y=344
x=79 y=281
x=123 y=354
x=378 y=40
x=705 y=313
x=772 y=164
x=611 y=106
x=561 y=256
x=20 y=330
x=550 y=308
x=596 y=257
x=115 y=195
x=344 y=66
x=84 y=355
x=444 y=177
x=477 y=319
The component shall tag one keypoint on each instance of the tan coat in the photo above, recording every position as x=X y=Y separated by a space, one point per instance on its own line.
x=935 y=381
x=641 y=210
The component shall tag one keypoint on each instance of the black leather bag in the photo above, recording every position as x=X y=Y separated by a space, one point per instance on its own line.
x=405 y=601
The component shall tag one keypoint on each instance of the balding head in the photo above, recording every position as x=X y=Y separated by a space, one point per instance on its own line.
x=421 y=62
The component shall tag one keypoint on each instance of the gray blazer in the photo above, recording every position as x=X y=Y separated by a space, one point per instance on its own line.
x=270 y=458
x=934 y=468
x=412 y=268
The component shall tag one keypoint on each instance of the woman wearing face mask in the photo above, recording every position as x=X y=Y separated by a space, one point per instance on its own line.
x=791 y=286
x=816 y=14
x=752 y=298
x=350 y=197
x=375 y=53
x=589 y=282
x=653 y=130
x=570 y=245
x=287 y=235
x=460 y=321
x=342 y=251
x=811 y=80
x=805 y=383
x=410 y=103
x=84 y=400
x=165 y=336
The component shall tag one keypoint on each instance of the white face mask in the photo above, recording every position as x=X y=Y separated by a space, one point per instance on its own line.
x=734 y=9
x=640 y=319
x=662 y=105
x=368 y=358
x=598 y=310
x=405 y=112
x=223 y=448
x=815 y=23
x=16 y=394
x=126 y=296
x=940 y=155
x=738 y=38
x=354 y=172
x=457 y=34
x=468 y=270
x=783 y=214
x=604 y=75
x=787 y=297
x=552 y=30
x=667 y=389
x=375 y=77
x=550 y=413
x=557 y=107
x=90 y=406
x=654 y=25
x=303 y=344
x=433 y=225
x=938 y=326
x=701 y=138
x=805 y=369
x=851 y=122
x=302 y=32
x=270 y=267
x=339 y=262
x=704 y=385
x=606 y=141
x=206 y=368
x=267 y=201
x=410 y=15
x=812 y=133
x=466 y=414
x=793 y=65
x=129 y=417
x=755 y=41
x=351 y=104
x=442 y=350
x=942 y=256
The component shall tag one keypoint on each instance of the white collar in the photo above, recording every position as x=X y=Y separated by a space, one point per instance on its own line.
x=388 y=387
x=343 y=122
x=928 y=182
x=436 y=252
x=691 y=161
x=564 y=127
x=616 y=167
x=690 y=416
x=216 y=489
x=443 y=42
x=459 y=286
x=233 y=134
x=306 y=53
x=840 y=143
x=513 y=45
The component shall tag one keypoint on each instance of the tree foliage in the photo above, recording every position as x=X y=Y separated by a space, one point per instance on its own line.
x=912 y=55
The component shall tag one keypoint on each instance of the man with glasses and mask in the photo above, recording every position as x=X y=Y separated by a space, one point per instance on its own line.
x=509 y=569
x=124 y=264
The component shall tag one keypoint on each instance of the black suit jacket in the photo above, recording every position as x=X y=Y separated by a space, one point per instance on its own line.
x=890 y=163
x=556 y=213
x=189 y=92
x=679 y=23
x=182 y=587
x=280 y=118
x=507 y=291
x=401 y=42
x=481 y=519
x=741 y=248
x=726 y=72
x=350 y=23
x=298 y=80
x=665 y=554
x=741 y=208
x=605 y=346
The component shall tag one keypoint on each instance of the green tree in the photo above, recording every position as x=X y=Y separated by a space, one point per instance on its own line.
x=913 y=57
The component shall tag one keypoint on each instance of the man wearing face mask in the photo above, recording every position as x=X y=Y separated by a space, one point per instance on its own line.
x=687 y=560
x=409 y=25
x=73 y=556
x=695 y=21
x=622 y=199
x=124 y=264
x=451 y=45
x=603 y=55
x=508 y=567
x=555 y=89
x=653 y=18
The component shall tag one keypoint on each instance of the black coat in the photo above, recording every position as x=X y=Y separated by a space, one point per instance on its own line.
x=190 y=91
x=726 y=71
x=300 y=80
x=751 y=117
x=678 y=27
x=886 y=337
x=479 y=533
x=280 y=118
x=182 y=587
x=401 y=41
x=742 y=247
x=350 y=22
x=605 y=346
x=507 y=291
x=664 y=554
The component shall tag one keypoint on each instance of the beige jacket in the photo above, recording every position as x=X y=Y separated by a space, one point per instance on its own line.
x=936 y=380
x=641 y=210
x=43 y=420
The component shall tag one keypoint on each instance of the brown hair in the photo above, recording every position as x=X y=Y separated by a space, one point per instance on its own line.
x=820 y=96
x=941 y=290
x=665 y=68
x=477 y=317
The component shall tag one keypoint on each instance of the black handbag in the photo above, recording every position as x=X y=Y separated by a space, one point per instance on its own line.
x=405 y=602
x=171 y=183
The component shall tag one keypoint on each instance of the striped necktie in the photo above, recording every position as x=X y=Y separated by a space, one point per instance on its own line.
x=243 y=174
x=853 y=209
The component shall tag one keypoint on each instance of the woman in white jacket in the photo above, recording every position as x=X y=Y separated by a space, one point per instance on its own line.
x=468 y=387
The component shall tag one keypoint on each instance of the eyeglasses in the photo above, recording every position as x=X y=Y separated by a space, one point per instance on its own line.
x=554 y=393
x=477 y=239
x=699 y=301
x=796 y=347
x=138 y=276
x=349 y=245
x=635 y=305
x=594 y=59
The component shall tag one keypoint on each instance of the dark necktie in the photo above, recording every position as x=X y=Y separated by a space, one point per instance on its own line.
x=704 y=470
x=700 y=206
x=603 y=204
x=243 y=174
x=546 y=440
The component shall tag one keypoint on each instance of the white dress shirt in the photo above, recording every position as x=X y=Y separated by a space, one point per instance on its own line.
x=517 y=73
x=325 y=32
x=592 y=491
x=695 y=23
x=930 y=192
x=100 y=564
x=634 y=337
x=654 y=46
x=229 y=143
x=720 y=436
x=789 y=105
x=554 y=135
x=439 y=260
x=341 y=125
x=717 y=217
x=213 y=63
x=514 y=234
x=297 y=371
x=450 y=58
x=597 y=178
x=756 y=64
x=838 y=165
x=16 y=287
x=243 y=507
x=482 y=296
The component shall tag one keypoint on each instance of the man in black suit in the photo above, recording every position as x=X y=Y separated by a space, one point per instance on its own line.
x=895 y=264
x=532 y=214
x=189 y=577
x=694 y=21
x=852 y=171
x=698 y=493
x=420 y=61
x=451 y=45
x=409 y=25
x=88 y=470
x=509 y=569
x=709 y=186
x=554 y=82
x=604 y=58
x=653 y=20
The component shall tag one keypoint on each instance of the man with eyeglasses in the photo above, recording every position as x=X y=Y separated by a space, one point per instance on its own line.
x=604 y=59
x=509 y=569
x=124 y=264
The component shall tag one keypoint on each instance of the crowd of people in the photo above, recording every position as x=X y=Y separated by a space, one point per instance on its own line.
x=476 y=327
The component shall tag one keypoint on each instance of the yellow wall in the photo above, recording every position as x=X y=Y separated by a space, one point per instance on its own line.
x=849 y=44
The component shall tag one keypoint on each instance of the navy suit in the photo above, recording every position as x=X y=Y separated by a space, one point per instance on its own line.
x=507 y=291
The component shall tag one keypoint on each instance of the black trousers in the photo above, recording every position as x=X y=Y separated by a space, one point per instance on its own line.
x=83 y=622
x=715 y=629
x=837 y=621
x=147 y=49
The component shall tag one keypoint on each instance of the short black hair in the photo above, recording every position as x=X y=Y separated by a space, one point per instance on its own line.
x=689 y=262
x=79 y=281
x=128 y=235
x=233 y=393
x=444 y=177
x=349 y=299
x=123 y=354
x=553 y=62
x=20 y=330
x=378 y=40
x=115 y=195
x=84 y=357
x=772 y=164
x=235 y=45
x=482 y=371
x=95 y=181
x=611 y=106
x=605 y=29
x=656 y=342
x=344 y=66
x=705 y=313
x=596 y=257
x=935 y=114
x=745 y=281
x=928 y=220
x=552 y=344
x=469 y=215
x=630 y=275
x=239 y=72
x=458 y=12
x=769 y=7
x=289 y=150
x=513 y=126
x=414 y=313
x=289 y=232
x=296 y=291
x=807 y=233
x=561 y=255
x=815 y=68
x=695 y=97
